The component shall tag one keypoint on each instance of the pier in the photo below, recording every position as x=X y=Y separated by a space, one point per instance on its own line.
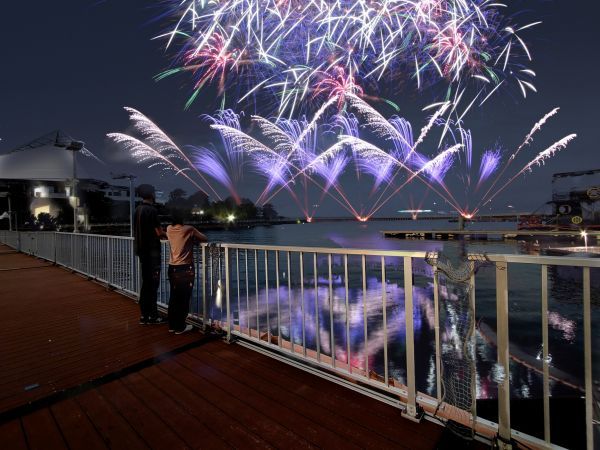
x=82 y=371
x=78 y=371
x=489 y=234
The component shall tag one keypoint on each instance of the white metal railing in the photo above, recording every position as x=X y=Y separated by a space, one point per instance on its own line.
x=305 y=303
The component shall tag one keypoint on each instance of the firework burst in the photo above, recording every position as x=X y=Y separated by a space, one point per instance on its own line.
x=293 y=50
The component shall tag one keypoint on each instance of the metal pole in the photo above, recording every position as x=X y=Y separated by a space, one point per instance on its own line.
x=587 y=346
x=131 y=206
x=9 y=214
x=227 y=294
x=411 y=402
x=73 y=194
x=504 y=432
x=545 y=349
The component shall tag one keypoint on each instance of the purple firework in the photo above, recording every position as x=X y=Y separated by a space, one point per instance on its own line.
x=213 y=165
x=490 y=160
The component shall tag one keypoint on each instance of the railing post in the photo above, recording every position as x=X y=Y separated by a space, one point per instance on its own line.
x=438 y=352
x=472 y=344
x=411 y=402
x=331 y=316
x=72 y=252
x=545 y=350
x=109 y=263
x=279 y=339
x=302 y=304
x=587 y=345
x=204 y=321
x=228 y=312
x=384 y=318
x=504 y=432
x=363 y=265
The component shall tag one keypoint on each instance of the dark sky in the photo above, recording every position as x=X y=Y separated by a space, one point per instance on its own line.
x=73 y=65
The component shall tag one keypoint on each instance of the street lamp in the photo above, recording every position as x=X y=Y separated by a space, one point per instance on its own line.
x=74 y=146
x=130 y=177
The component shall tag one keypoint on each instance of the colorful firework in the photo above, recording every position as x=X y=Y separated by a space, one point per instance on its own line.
x=156 y=149
x=296 y=50
x=432 y=172
x=314 y=159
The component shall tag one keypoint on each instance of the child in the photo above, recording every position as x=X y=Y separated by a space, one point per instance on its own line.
x=182 y=239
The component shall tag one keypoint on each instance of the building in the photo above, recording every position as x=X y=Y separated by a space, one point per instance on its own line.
x=576 y=199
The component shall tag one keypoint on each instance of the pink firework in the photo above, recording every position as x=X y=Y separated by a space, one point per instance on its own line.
x=453 y=50
x=213 y=60
x=337 y=84
x=428 y=10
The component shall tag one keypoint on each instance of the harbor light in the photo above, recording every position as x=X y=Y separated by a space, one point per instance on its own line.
x=584 y=235
x=230 y=218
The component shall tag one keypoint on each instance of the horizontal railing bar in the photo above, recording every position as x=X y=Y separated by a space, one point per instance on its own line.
x=519 y=259
x=540 y=260
x=327 y=250
x=111 y=236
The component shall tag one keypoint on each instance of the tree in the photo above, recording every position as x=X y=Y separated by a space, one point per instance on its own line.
x=46 y=222
x=177 y=197
x=269 y=212
x=198 y=200
x=247 y=210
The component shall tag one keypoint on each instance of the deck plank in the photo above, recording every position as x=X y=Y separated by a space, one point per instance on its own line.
x=188 y=426
x=219 y=410
x=309 y=409
x=42 y=431
x=76 y=427
x=115 y=430
x=11 y=435
x=143 y=420
x=382 y=419
x=59 y=330
x=286 y=415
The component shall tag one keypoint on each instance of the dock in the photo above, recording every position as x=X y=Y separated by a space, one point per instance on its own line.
x=78 y=371
x=489 y=234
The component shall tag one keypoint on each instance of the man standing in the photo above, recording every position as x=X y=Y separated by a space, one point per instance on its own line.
x=147 y=234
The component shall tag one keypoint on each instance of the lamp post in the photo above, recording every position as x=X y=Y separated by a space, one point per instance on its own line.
x=130 y=177
x=74 y=147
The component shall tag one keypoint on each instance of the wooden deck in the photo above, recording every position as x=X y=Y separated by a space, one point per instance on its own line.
x=98 y=379
x=59 y=330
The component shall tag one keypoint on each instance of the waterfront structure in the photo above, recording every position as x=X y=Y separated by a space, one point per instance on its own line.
x=576 y=199
x=253 y=293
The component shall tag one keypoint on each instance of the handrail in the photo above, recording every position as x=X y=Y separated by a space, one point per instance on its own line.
x=327 y=250
x=302 y=303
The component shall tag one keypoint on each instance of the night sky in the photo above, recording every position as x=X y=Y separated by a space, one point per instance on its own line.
x=73 y=65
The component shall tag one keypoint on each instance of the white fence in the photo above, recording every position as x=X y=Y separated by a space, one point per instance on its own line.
x=330 y=310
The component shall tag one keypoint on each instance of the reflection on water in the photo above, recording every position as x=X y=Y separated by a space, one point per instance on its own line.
x=312 y=316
